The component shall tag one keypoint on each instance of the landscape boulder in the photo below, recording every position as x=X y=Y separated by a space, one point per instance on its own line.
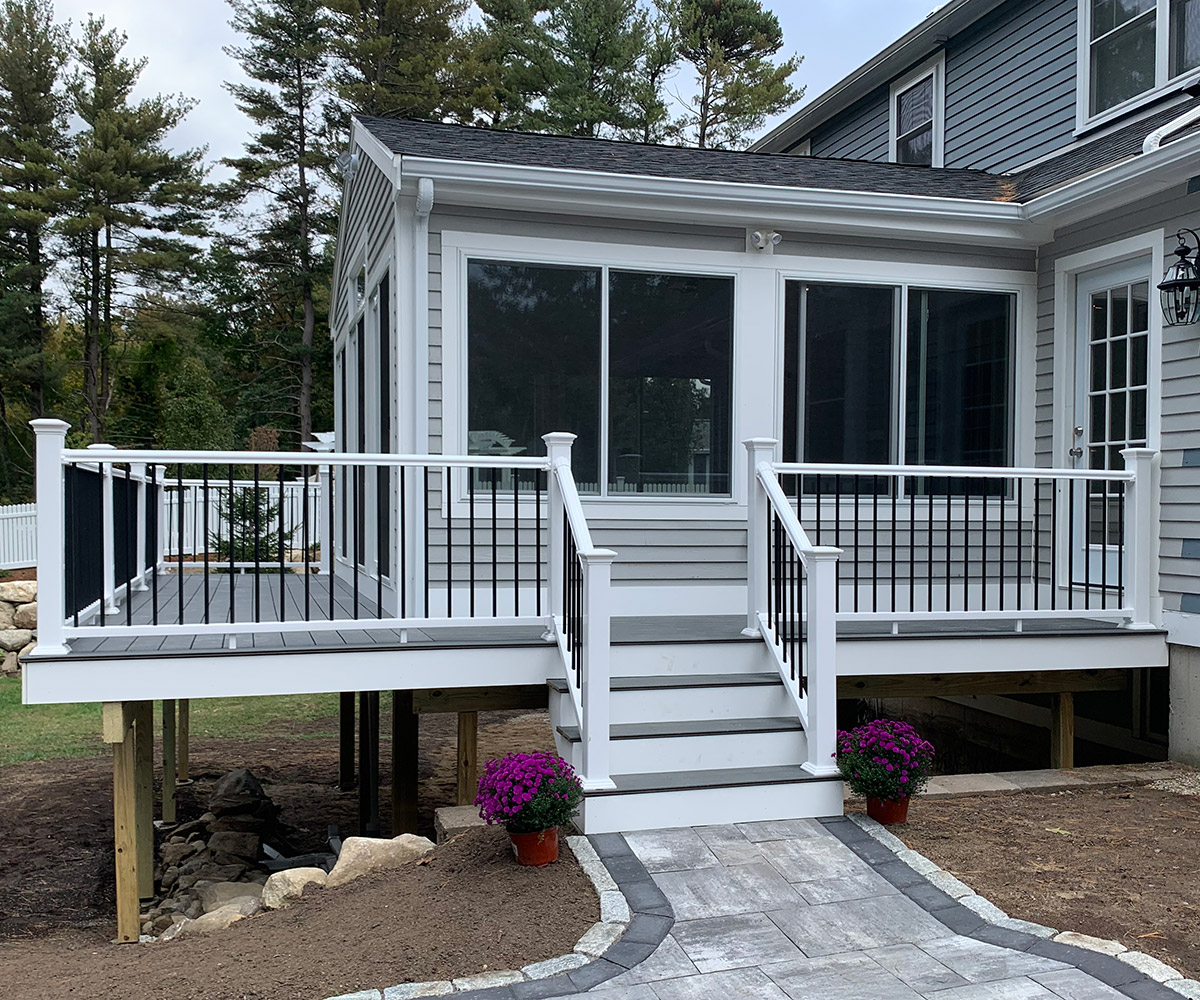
x=18 y=591
x=10 y=664
x=216 y=920
x=172 y=854
x=232 y=846
x=284 y=888
x=215 y=895
x=240 y=793
x=7 y=614
x=14 y=639
x=363 y=855
x=26 y=616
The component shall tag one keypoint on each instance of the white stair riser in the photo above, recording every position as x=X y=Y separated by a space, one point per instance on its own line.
x=758 y=701
x=672 y=659
x=702 y=753
x=706 y=806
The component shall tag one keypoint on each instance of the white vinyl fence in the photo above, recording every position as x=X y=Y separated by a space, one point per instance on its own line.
x=18 y=536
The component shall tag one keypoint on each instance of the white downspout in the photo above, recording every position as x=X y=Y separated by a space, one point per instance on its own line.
x=1155 y=139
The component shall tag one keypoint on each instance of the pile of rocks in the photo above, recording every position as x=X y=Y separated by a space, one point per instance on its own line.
x=18 y=623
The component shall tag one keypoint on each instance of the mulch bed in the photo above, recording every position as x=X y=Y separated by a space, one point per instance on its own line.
x=57 y=898
x=1120 y=863
x=471 y=909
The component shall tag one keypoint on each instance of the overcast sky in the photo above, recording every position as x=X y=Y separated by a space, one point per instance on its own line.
x=183 y=41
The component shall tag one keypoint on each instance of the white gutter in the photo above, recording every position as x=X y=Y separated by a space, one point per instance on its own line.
x=723 y=203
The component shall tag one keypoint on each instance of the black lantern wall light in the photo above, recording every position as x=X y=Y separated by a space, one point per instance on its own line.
x=1180 y=288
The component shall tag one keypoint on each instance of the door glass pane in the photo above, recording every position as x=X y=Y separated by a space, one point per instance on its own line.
x=1098 y=421
x=1137 y=416
x=1116 y=417
x=958 y=401
x=1185 y=35
x=1099 y=361
x=848 y=333
x=670 y=375
x=533 y=335
x=1116 y=367
x=1123 y=64
x=1099 y=315
x=1137 y=369
x=1139 y=317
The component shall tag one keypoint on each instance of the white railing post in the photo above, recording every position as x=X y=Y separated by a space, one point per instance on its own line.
x=137 y=495
x=821 y=732
x=595 y=695
x=108 y=531
x=51 y=436
x=324 y=445
x=758 y=451
x=1140 y=522
x=558 y=451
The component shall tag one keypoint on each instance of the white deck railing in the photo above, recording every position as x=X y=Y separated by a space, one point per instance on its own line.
x=18 y=536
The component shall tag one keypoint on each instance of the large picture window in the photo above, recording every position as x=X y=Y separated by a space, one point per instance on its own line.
x=637 y=364
x=1124 y=56
x=851 y=383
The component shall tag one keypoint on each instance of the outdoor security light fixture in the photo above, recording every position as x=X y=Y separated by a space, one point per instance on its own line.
x=1180 y=288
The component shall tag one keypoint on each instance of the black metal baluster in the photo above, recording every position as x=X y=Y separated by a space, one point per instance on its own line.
x=282 y=551
x=425 y=521
x=772 y=542
x=204 y=480
x=818 y=492
x=893 y=573
x=537 y=522
x=1003 y=529
x=382 y=497
x=403 y=568
x=356 y=485
x=1053 y=574
x=1020 y=539
x=857 y=491
x=949 y=529
x=1121 y=546
x=330 y=510
x=912 y=543
x=983 y=545
x=495 y=564
x=1087 y=546
x=1037 y=544
x=257 y=545
x=1104 y=550
x=153 y=556
x=130 y=540
x=837 y=538
x=1071 y=545
x=235 y=541
x=182 y=522
x=516 y=542
x=449 y=547
x=471 y=528
x=874 y=543
x=306 y=540
x=785 y=617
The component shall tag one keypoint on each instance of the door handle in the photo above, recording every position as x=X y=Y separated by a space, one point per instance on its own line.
x=1076 y=453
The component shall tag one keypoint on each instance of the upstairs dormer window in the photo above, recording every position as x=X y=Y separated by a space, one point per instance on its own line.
x=917 y=115
x=1133 y=48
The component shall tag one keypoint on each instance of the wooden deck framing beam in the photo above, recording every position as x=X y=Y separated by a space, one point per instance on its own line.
x=480 y=699
x=468 y=757
x=183 y=738
x=143 y=734
x=1016 y=682
x=405 y=734
x=169 y=760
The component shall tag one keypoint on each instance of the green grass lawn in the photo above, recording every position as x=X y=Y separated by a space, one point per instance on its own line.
x=45 y=732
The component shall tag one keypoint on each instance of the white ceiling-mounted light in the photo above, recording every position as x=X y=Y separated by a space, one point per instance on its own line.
x=347 y=164
x=764 y=240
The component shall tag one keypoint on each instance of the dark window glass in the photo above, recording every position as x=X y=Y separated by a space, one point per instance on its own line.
x=914 y=124
x=1185 y=35
x=383 y=477
x=1122 y=51
x=533 y=334
x=670 y=374
x=958 y=403
x=846 y=345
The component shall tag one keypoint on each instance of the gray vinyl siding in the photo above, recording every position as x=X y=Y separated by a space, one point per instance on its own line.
x=1180 y=425
x=366 y=210
x=858 y=133
x=1010 y=86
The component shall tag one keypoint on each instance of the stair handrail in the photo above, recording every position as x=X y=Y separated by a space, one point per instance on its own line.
x=580 y=611
x=813 y=688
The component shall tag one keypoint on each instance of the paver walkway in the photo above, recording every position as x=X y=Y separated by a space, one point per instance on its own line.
x=778 y=910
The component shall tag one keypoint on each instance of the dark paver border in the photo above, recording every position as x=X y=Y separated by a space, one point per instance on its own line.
x=963 y=920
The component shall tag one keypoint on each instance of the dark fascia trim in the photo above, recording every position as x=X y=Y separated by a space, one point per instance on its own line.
x=908 y=50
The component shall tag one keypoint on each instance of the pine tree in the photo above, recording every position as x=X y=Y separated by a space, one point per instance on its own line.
x=729 y=44
x=286 y=166
x=393 y=57
x=33 y=144
x=499 y=72
x=137 y=206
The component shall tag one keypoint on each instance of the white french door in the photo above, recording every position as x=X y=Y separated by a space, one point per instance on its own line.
x=1111 y=407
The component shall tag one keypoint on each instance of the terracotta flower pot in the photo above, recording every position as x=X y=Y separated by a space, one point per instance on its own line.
x=888 y=811
x=535 y=849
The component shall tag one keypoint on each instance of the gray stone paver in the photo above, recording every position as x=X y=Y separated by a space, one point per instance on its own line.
x=1000 y=989
x=669 y=961
x=718 y=892
x=736 y=984
x=734 y=942
x=1071 y=984
x=851 y=976
x=915 y=968
x=729 y=844
x=857 y=925
x=671 y=850
x=978 y=962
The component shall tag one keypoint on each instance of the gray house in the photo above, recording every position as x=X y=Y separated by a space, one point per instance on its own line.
x=690 y=444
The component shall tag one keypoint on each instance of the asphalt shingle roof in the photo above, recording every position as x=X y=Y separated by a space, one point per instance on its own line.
x=459 y=142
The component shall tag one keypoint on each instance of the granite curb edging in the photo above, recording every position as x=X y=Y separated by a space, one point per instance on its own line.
x=957 y=906
x=635 y=919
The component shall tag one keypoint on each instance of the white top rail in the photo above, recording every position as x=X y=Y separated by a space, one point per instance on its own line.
x=951 y=471
x=783 y=507
x=118 y=456
x=574 y=510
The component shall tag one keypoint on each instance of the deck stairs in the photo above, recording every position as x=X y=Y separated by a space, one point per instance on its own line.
x=702 y=733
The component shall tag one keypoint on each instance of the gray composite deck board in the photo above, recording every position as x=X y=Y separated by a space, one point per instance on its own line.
x=359 y=635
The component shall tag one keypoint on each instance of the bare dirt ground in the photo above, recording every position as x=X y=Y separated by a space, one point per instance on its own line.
x=1120 y=863
x=56 y=876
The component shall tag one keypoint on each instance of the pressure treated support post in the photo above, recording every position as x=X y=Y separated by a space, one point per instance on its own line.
x=1140 y=527
x=821 y=641
x=758 y=451
x=143 y=763
x=368 y=755
x=183 y=737
x=468 y=757
x=558 y=451
x=596 y=683
x=169 y=772
x=346 y=740
x=405 y=733
x=1062 y=730
x=51 y=536
x=117 y=718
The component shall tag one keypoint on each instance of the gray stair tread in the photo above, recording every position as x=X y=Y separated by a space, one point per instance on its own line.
x=703 y=727
x=725 y=777
x=662 y=681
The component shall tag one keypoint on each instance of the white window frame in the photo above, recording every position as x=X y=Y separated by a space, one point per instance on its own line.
x=934 y=68
x=759 y=307
x=1164 y=83
x=802 y=148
